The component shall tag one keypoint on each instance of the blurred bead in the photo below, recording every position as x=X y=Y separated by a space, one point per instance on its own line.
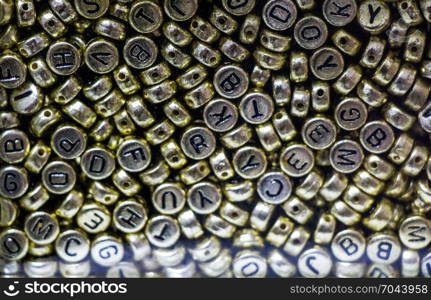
x=261 y=215
x=259 y=77
x=64 y=10
x=70 y=206
x=283 y=125
x=275 y=42
x=426 y=265
x=333 y=186
x=199 y=95
x=346 y=42
x=41 y=74
x=127 y=184
x=416 y=161
x=403 y=80
x=348 y=245
x=297 y=210
x=9 y=37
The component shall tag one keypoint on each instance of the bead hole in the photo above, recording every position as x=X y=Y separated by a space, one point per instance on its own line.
x=221 y=20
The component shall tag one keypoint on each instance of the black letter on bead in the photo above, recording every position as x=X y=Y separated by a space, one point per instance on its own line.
x=67 y=145
x=352 y=112
x=239 y=3
x=294 y=164
x=250 y=164
x=340 y=10
x=312 y=30
x=10 y=186
x=129 y=220
x=12 y=145
x=94 y=3
x=281 y=11
x=173 y=197
x=327 y=63
x=317 y=132
x=346 y=161
x=204 y=199
x=376 y=137
x=97 y=160
x=280 y=188
x=198 y=141
x=16 y=245
x=222 y=118
x=134 y=155
x=63 y=64
x=373 y=13
x=58 y=178
x=230 y=82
